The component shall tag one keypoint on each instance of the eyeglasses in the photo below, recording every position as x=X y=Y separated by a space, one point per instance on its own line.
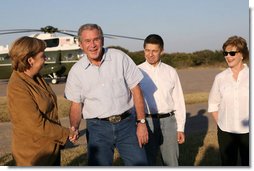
x=231 y=53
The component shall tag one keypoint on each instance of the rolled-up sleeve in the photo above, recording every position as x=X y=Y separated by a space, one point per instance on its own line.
x=73 y=87
x=214 y=97
x=132 y=73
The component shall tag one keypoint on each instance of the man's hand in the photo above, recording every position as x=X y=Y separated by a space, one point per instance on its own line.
x=180 y=137
x=142 y=134
x=74 y=134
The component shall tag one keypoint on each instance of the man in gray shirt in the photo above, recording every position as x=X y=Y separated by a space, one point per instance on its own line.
x=104 y=87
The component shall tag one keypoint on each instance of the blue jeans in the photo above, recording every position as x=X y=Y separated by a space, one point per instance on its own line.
x=104 y=136
x=163 y=139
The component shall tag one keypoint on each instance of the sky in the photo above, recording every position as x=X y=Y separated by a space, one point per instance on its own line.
x=185 y=25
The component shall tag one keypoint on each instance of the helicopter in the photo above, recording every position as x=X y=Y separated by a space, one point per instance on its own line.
x=62 y=52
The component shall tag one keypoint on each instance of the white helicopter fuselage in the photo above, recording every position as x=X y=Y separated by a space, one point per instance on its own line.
x=64 y=42
x=61 y=52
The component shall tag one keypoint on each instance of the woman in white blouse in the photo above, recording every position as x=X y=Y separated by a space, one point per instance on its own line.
x=229 y=103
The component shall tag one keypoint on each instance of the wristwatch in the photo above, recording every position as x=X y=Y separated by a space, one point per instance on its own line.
x=141 y=121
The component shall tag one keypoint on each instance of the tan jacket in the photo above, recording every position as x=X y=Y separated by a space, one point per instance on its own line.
x=36 y=130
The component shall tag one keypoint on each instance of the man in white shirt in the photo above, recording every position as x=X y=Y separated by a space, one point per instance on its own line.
x=164 y=104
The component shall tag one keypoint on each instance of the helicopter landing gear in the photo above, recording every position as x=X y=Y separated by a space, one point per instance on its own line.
x=54 y=78
x=54 y=81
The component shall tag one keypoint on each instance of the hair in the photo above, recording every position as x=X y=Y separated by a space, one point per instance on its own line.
x=154 y=39
x=24 y=48
x=239 y=43
x=89 y=27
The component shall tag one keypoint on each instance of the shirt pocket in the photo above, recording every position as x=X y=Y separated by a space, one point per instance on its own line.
x=226 y=91
x=167 y=87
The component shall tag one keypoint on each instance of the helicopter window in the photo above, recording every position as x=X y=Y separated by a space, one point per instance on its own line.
x=52 y=42
x=80 y=54
x=70 y=55
x=4 y=58
x=51 y=56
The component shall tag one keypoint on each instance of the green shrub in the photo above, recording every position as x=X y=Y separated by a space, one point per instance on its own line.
x=183 y=60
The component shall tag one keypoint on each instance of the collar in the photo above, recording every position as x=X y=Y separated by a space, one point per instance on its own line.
x=151 y=66
x=43 y=86
x=245 y=68
x=105 y=57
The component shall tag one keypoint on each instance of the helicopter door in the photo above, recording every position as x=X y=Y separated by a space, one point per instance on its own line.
x=5 y=66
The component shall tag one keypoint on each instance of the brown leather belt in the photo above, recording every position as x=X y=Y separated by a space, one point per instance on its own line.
x=116 y=118
x=160 y=115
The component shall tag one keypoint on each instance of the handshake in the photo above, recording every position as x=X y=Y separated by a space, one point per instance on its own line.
x=73 y=135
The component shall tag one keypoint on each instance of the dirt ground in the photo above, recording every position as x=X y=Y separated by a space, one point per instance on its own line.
x=192 y=80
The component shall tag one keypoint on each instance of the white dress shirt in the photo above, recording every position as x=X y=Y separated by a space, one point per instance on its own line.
x=230 y=98
x=163 y=92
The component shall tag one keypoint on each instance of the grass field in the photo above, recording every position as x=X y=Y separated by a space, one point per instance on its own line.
x=64 y=105
x=199 y=149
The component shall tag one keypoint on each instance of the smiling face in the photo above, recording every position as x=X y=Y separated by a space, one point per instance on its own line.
x=233 y=61
x=152 y=53
x=91 y=42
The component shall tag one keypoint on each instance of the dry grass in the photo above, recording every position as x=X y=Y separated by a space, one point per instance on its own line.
x=200 y=149
x=77 y=156
x=3 y=110
x=64 y=105
x=63 y=108
x=193 y=98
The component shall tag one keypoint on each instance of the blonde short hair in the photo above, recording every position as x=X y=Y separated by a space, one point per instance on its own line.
x=24 y=48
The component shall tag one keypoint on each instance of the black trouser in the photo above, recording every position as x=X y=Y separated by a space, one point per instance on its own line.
x=230 y=144
x=58 y=160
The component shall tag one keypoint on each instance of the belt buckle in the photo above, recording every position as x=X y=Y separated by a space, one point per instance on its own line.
x=114 y=119
x=171 y=113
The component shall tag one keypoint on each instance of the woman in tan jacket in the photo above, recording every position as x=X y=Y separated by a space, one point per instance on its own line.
x=37 y=134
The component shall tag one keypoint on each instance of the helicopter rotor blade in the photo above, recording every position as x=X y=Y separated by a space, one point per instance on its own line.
x=126 y=37
x=51 y=29
x=8 y=30
x=71 y=31
x=111 y=36
x=63 y=32
x=20 y=31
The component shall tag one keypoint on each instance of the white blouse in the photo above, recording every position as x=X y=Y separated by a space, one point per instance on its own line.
x=230 y=98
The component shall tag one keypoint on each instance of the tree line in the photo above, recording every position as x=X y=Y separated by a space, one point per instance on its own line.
x=181 y=59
